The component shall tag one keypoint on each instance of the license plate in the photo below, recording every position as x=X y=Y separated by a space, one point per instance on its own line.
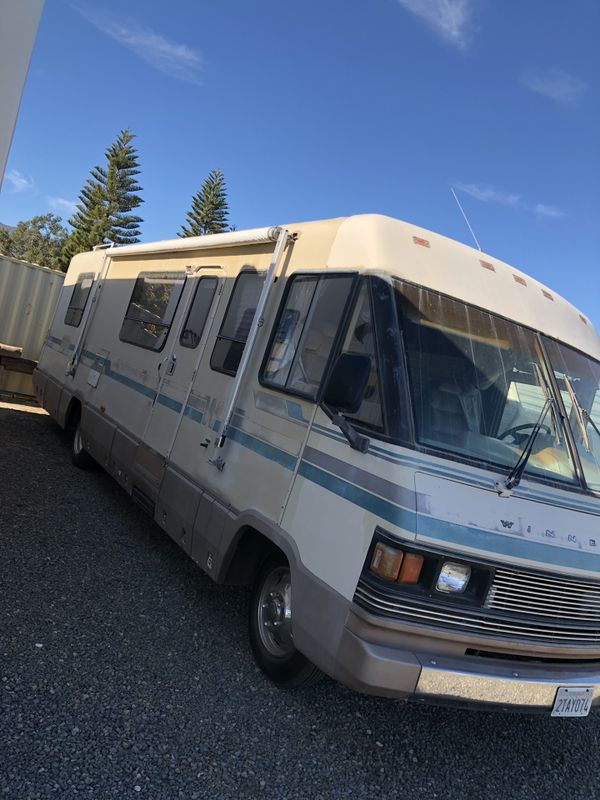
x=573 y=701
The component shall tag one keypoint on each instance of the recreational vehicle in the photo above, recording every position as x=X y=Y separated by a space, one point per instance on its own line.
x=392 y=437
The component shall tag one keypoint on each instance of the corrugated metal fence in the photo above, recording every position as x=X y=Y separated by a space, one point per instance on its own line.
x=28 y=297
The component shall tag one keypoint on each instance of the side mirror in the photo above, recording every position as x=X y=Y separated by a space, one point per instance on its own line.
x=347 y=382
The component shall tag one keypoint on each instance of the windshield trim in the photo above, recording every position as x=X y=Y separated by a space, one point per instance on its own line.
x=567 y=425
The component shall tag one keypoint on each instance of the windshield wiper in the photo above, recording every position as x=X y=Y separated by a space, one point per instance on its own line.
x=579 y=414
x=555 y=413
x=586 y=416
x=514 y=476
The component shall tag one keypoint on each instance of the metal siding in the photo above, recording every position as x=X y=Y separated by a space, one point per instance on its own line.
x=28 y=297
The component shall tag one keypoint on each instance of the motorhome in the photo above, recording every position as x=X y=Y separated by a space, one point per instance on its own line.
x=392 y=437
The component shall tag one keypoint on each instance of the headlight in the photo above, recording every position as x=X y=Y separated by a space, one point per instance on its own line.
x=453 y=578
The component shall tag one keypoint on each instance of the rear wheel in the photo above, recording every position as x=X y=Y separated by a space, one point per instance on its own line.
x=79 y=456
x=270 y=625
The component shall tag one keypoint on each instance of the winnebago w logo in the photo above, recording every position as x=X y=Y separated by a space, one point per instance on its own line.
x=506 y=523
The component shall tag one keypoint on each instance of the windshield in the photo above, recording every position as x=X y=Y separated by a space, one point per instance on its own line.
x=479 y=385
x=578 y=379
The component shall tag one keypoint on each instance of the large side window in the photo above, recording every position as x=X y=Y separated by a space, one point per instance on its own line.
x=79 y=298
x=228 y=349
x=198 y=313
x=151 y=309
x=306 y=332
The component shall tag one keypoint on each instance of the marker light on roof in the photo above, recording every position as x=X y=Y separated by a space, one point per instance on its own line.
x=422 y=242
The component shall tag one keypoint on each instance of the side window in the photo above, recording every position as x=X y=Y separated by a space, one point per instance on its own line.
x=151 y=309
x=306 y=332
x=360 y=338
x=79 y=298
x=198 y=313
x=236 y=324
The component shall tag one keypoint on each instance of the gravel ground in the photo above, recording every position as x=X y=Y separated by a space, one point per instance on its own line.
x=125 y=672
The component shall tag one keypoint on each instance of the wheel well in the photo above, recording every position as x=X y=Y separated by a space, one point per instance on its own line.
x=73 y=414
x=250 y=549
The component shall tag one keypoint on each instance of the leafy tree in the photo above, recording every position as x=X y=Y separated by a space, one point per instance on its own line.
x=40 y=240
x=107 y=199
x=210 y=210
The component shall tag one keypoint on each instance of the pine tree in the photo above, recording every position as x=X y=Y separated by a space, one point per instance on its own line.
x=107 y=200
x=121 y=188
x=210 y=210
x=90 y=222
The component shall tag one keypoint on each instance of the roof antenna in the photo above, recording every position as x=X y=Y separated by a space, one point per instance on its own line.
x=465 y=218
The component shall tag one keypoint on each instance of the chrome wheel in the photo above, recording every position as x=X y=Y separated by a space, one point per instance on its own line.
x=274 y=611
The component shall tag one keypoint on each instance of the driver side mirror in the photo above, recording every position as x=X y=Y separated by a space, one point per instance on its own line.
x=347 y=382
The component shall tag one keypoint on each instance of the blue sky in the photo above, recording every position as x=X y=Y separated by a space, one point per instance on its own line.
x=329 y=108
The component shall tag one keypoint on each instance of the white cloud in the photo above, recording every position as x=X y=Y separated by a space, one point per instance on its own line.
x=450 y=19
x=489 y=194
x=556 y=84
x=548 y=211
x=18 y=182
x=62 y=205
x=177 y=60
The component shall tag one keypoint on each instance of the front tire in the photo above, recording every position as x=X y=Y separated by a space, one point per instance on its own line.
x=270 y=627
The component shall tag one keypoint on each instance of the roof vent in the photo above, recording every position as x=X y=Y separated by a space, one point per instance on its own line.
x=520 y=280
x=487 y=265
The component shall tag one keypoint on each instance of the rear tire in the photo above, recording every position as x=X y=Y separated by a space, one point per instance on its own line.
x=79 y=456
x=270 y=628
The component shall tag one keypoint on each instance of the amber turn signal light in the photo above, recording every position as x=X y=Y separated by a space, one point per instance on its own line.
x=410 y=571
x=386 y=561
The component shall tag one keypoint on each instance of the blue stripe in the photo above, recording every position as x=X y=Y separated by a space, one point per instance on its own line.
x=129 y=382
x=294 y=411
x=167 y=401
x=506 y=545
x=54 y=339
x=397 y=515
x=190 y=412
x=443 y=471
x=263 y=448
x=440 y=530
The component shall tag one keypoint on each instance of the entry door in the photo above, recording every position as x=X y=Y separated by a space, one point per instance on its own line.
x=181 y=359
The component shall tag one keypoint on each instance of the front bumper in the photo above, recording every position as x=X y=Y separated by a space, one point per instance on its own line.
x=391 y=671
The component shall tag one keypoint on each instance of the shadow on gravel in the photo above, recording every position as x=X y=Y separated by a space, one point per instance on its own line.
x=125 y=671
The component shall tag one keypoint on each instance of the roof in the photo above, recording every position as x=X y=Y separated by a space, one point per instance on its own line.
x=447 y=266
x=377 y=242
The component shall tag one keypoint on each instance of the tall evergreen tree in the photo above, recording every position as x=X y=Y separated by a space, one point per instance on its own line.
x=121 y=188
x=107 y=199
x=210 y=210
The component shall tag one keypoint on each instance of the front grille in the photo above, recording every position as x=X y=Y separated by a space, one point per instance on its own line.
x=523 y=624
x=544 y=596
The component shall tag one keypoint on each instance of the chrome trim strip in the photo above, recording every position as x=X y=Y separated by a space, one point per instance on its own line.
x=463 y=619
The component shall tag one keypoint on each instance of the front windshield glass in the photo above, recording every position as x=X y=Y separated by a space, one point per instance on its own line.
x=479 y=385
x=578 y=379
